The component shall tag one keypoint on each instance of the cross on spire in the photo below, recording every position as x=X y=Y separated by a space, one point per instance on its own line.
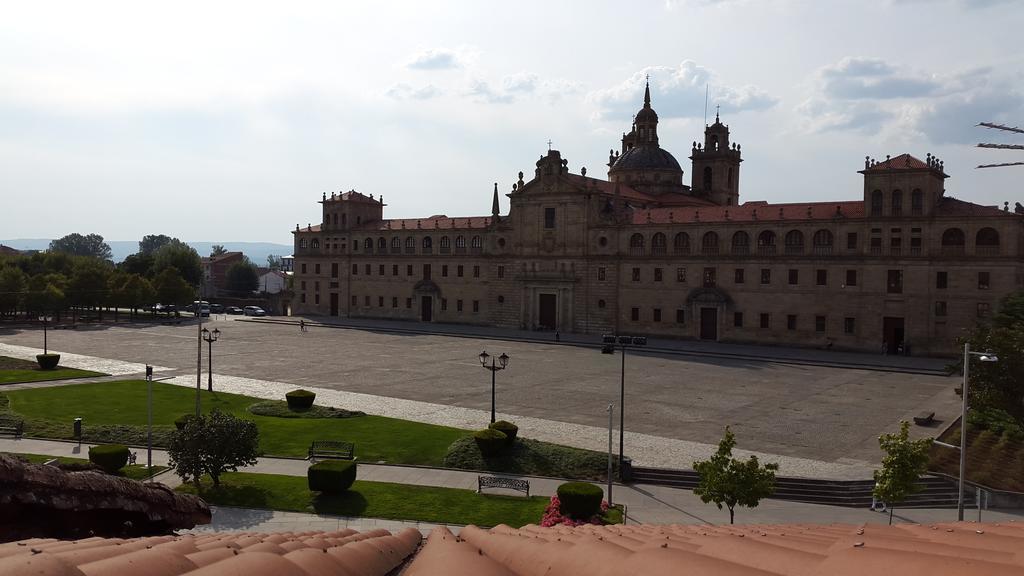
x=549 y=144
x=717 y=108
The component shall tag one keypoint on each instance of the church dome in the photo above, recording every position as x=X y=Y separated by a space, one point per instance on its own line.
x=646 y=114
x=645 y=158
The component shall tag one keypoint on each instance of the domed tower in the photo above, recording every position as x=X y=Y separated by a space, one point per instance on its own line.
x=643 y=164
x=716 y=166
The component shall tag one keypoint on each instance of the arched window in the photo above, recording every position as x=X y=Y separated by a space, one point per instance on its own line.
x=822 y=242
x=302 y=242
x=709 y=243
x=316 y=242
x=741 y=243
x=382 y=245
x=460 y=244
x=396 y=245
x=476 y=245
x=410 y=245
x=707 y=177
x=428 y=245
x=876 y=203
x=986 y=243
x=766 y=243
x=916 y=202
x=659 y=244
x=446 y=245
x=681 y=243
x=368 y=245
x=794 y=242
x=953 y=242
x=897 y=202
x=636 y=244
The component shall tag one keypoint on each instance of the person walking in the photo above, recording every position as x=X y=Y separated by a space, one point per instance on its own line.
x=302 y=325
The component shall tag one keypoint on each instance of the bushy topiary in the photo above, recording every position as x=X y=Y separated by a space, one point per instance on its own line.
x=580 y=500
x=48 y=361
x=331 y=476
x=300 y=399
x=110 y=457
x=507 y=428
x=490 y=441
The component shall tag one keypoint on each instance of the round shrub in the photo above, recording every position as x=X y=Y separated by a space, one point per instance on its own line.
x=580 y=500
x=507 y=428
x=490 y=441
x=110 y=457
x=331 y=476
x=48 y=361
x=300 y=399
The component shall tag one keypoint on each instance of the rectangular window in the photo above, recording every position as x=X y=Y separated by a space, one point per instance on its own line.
x=894 y=282
x=600 y=274
x=458 y=305
x=459 y=270
x=444 y=271
x=681 y=275
x=501 y=272
x=851 y=277
x=408 y=303
x=819 y=323
x=940 y=308
x=355 y=300
x=636 y=274
x=334 y=269
x=476 y=305
x=366 y=269
x=408 y=269
x=680 y=316
x=303 y=268
x=634 y=314
x=394 y=301
x=794 y=276
x=380 y=301
x=657 y=314
x=821 y=277
x=983 y=309
x=355 y=269
x=738 y=276
x=710 y=277
x=394 y=269
x=476 y=271
x=317 y=269
x=380 y=270
x=941 y=280
x=766 y=276
x=366 y=301
x=657 y=274
x=549 y=218
x=849 y=325
x=444 y=304
x=851 y=240
x=791 y=321
x=766 y=320
x=983 y=281
x=737 y=319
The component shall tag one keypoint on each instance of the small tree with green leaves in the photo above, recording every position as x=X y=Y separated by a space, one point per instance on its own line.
x=186 y=449
x=904 y=462
x=213 y=444
x=727 y=481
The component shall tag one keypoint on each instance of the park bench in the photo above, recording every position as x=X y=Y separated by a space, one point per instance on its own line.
x=12 y=428
x=924 y=418
x=499 y=482
x=331 y=449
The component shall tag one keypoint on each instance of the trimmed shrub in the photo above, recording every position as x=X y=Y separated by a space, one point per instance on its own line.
x=300 y=399
x=507 y=428
x=180 y=421
x=331 y=476
x=490 y=441
x=580 y=500
x=48 y=361
x=111 y=457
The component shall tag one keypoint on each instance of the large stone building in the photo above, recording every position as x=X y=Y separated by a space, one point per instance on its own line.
x=904 y=266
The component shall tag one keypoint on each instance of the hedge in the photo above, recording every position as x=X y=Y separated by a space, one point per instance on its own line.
x=110 y=457
x=331 y=476
x=180 y=421
x=300 y=399
x=580 y=500
x=507 y=428
x=490 y=441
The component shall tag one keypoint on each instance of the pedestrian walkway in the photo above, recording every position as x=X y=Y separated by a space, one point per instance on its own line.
x=645 y=504
x=752 y=352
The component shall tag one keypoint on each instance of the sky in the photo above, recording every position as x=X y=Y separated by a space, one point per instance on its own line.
x=222 y=121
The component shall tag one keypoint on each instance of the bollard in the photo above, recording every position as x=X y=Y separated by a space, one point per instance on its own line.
x=78 y=430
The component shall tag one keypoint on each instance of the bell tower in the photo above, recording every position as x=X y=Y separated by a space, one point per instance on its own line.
x=716 y=166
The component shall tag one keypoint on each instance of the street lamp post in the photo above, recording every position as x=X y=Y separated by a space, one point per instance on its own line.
x=199 y=354
x=624 y=342
x=502 y=362
x=210 y=338
x=45 y=320
x=984 y=357
x=610 y=412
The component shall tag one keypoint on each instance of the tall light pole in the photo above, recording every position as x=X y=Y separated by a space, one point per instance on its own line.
x=624 y=342
x=984 y=357
x=45 y=320
x=199 y=352
x=210 y=338
x=502 y=363
x=610 y=412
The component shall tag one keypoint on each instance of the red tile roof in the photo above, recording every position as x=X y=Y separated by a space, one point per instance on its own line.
x=901 y=162
x=751 y=212
x=608 y=188
x=353 y=196
x=950 y=206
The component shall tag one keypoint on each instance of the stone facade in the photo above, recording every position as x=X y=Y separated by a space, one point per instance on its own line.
x=904 y=266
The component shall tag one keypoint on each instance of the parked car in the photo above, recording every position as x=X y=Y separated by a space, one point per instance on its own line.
x=254 y=311
x=216 y=308
x=201 y=307
x=233 y=310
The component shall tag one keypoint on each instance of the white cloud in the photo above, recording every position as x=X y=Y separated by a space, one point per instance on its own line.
x=403 y=91
x=435 y=59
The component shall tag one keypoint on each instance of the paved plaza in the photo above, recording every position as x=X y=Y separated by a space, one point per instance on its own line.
x=804 y=412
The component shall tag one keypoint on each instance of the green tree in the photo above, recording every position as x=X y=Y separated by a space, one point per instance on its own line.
x=13 y=283
x=171 y=288
x=214 y=443
x=904 y=462
x=274 y=262
x=726 y=480
x=1011 y=311
x=141 y=264
x=999 y=385
x=91 y=245
x=88 y=284
x=153 y=242
x=46 y=294
x=179 y=255
x=218 y=250
x=243 y=277
x=138 y=292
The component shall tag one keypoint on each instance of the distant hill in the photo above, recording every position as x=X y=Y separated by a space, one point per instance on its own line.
x=256 y=251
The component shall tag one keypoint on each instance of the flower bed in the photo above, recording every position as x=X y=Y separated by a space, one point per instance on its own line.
x=553 y=515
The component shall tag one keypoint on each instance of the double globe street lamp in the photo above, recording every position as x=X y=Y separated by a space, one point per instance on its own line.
x=497 y=363
x=210 y=338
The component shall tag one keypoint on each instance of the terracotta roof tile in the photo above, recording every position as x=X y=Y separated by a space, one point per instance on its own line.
x=751 y=212
x=901 y=162
x=438 y=223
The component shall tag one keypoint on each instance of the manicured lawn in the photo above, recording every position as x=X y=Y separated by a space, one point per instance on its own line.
x=13 y=370
x=136 y=472
x=50 y=411
x=532 y=457
x=373 y=499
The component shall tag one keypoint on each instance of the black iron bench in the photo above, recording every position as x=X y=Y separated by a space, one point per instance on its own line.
x=332 y=450
x=499 y=482
x=12 y=428
x=924 y=418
